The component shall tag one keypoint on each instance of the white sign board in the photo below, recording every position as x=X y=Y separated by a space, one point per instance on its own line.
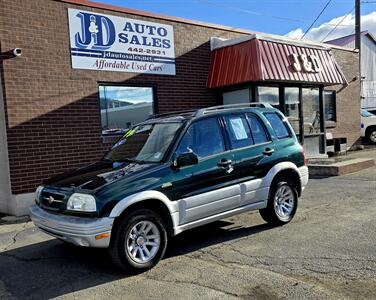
x=109 y=43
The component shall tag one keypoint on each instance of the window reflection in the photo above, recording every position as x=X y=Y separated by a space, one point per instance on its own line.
x=311 y=111
x=292 y=107
x=236 y=97
x=330 y=106
x=268 y=94
x=123 y=106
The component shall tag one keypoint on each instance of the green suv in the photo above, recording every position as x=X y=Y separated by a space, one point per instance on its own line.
x=172 y=173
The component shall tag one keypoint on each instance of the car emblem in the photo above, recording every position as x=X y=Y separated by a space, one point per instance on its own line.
x=51 y=199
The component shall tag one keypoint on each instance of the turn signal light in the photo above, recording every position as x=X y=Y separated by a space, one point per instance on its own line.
x=102 y=236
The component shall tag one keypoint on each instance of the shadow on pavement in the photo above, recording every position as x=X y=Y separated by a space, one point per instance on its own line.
x=209 y=235
x=52 y=268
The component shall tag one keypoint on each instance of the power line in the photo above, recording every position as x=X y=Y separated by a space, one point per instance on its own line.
x=252 y=12
x=313 y=23
x=303 y=21
x=345 y=16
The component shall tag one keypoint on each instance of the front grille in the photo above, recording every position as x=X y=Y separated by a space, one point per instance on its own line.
x=52 y=200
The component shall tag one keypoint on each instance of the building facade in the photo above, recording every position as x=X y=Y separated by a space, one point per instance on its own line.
x=87 y=72
x=367 y=65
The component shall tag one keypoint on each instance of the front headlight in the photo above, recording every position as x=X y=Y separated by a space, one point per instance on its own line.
x=38 y=193
x=81 y=202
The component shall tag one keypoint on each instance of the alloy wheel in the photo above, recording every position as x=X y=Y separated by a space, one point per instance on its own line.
x=143 y=242
x=372 y=136
x=284 y=201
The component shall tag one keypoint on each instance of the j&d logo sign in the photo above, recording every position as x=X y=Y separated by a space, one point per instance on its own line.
x=307 y=63
x=110 y=43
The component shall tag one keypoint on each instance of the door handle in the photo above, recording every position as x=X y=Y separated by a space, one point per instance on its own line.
x=268 y=151
x=224 y=163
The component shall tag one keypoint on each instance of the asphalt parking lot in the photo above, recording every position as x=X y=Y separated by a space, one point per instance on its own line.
x=327 y=252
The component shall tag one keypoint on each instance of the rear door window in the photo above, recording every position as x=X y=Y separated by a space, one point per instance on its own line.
x=258 y=130
x=239 y=132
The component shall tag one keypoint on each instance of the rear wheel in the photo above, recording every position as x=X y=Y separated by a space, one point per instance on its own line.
x=282 y=202
x=139 y=241
x=372 y=135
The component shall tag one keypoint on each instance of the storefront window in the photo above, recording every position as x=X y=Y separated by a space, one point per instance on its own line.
x=330 y=105
x=268 y=94
x=311 y=111
x=236 y=97
x=292 y=107
x=123 y=106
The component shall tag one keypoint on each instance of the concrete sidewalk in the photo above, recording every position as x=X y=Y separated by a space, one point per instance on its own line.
x=353 y=161
x=368 y=152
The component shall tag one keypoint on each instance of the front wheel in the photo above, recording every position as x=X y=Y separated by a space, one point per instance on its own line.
x=139 y=241
x=282 y=202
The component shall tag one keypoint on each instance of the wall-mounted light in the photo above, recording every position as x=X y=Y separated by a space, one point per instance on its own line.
x=17 y=52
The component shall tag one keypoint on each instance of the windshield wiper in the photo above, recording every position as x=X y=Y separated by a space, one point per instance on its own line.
x=118 y=160
x=126 y=159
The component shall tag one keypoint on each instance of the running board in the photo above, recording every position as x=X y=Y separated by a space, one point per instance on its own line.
x=226 y=214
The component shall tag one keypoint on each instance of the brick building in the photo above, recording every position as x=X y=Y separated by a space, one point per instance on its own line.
x=68 y=96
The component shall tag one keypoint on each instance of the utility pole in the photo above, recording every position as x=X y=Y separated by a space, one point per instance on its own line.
x=357 y=25
x=357 y=45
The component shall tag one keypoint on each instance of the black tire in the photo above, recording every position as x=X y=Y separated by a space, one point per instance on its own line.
x=270 y=214
x=120 y=253
x=371 y=135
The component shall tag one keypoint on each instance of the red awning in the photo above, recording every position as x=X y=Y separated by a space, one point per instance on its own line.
x=268 y=60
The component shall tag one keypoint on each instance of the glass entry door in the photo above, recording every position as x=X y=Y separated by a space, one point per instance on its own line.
x=312 y=122
x=292 y=109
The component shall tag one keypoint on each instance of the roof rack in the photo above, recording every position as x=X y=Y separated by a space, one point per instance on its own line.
x=208 y=110
x=180 y=112
x=218 y=108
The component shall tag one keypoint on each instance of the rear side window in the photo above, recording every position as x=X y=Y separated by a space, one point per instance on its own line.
x=279 y=127
x=204 y=138
x=258 y=130
x=238 y=131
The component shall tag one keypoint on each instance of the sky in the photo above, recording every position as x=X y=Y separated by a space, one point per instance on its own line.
x=284 y=17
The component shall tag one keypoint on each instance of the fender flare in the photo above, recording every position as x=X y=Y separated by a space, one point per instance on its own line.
x=142 y=196
x=286 y=165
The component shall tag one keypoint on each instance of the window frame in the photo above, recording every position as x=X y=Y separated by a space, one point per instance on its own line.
x=133 y=85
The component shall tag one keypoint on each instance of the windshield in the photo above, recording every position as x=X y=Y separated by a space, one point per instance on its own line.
x=365 y=113
x=146 y=143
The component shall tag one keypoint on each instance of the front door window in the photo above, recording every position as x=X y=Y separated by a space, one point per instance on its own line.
x=204 y=138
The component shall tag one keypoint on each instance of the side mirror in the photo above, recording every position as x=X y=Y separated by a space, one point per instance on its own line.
x=185 y=159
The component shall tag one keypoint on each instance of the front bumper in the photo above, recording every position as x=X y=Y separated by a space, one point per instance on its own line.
x=75 y=230
x=304 y=176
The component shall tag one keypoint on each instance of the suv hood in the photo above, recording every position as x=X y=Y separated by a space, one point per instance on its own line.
x=98 y=174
